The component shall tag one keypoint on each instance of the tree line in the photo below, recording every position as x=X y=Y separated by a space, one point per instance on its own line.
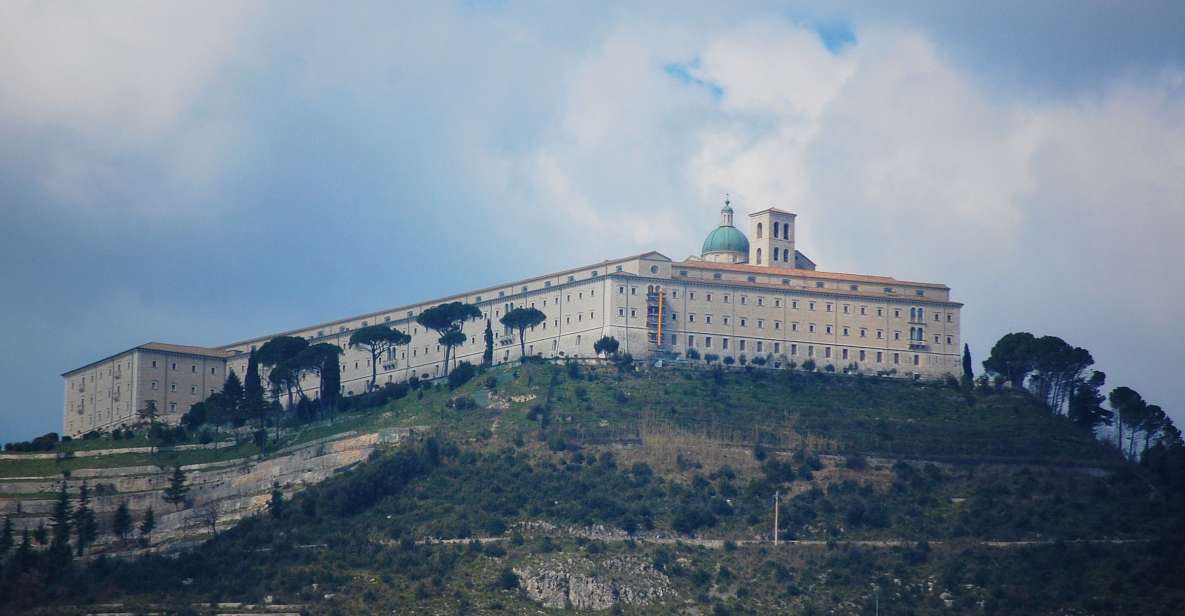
x=1060 y=376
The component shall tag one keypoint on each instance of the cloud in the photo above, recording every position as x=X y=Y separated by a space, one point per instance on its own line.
x=1056 y=215
x=93 y=89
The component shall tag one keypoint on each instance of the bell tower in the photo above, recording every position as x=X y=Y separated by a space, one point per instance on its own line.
x=772 y=245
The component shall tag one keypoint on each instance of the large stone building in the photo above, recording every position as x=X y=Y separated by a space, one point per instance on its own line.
x=743 y=296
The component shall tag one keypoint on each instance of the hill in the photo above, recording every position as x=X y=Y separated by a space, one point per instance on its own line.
x=653 y=492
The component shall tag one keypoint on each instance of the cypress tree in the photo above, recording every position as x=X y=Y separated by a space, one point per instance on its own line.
x=487 y=357
x=6 y=539
x=175 y=493
x=41 y=533
x=24 y=553
x=331 y=383
x=148 y=524
x=276 y=505
x=121 y=524
x=968 y=373
x=85 y=524
x=59 y=523
x=253 y=389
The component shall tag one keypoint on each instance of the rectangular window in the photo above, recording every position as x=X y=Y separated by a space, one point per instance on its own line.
x=691 y=294
x=828 y=306
x=793 y=349
x=828 y=330
x=794 y=304
x=879 y=357
x=172 y=387
x=743 y=321
x=794 y=326
x=726 y=319
x=845 y=308
x=897 y=335
x=742 y=345
x=861 y=355
x=707 y=342
x=690 y=341
x=760 y=324
x=897 y=358
x=709 y=297
x=915 y=356
x=844 y=354
x=758 y=346
x=845 y=331
x=811 y=328
x=708 y=319
x=724 y=343
x=777 y=347
x=810 y=306
x=827 y=352
x=691 y=317
x=810 y=350
x=621 y=312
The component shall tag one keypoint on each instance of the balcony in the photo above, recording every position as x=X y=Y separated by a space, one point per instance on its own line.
x=918 y=345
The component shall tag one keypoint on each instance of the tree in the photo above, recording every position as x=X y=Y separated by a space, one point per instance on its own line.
x=1129 y=407
x=121 y=523
x=968 y=373
x=232 y=387
x=487 y=356
x=607 y=345
x=275 y=506
x=322 y=359
x=521 y=319
x=1086 y=403
x=446 y=319
x=177 y=490
x=253 y=390
x=1012 y=357
x=277 y=355
x=150 y=414
x=378 y=339
x=148 y=524
x=85 y=525
x=6 y=537
x=59 y=523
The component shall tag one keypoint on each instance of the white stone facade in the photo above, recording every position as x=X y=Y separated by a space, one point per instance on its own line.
x=652 y=305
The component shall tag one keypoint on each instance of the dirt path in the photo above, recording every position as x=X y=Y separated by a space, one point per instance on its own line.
x=716 y=544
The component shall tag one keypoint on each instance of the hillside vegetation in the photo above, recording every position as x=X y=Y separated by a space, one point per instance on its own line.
x=653 y=492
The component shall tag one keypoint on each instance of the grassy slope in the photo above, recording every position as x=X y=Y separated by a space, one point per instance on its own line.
x=499 y=477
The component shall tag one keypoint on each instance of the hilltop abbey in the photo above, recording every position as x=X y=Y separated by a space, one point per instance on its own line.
x=739 y=297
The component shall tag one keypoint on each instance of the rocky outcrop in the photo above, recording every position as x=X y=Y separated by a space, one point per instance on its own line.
x=220 y=493
x=584 y=584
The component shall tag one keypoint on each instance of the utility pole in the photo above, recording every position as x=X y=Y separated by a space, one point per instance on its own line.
x=776 y=500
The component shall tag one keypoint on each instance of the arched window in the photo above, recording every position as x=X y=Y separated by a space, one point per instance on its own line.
x=758 y=250
x=775 y=230
x=913 y=316
x=774 y=257
x=786 y=255
x=758 y=230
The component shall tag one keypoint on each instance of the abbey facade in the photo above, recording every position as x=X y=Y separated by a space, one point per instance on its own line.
x=743 y=296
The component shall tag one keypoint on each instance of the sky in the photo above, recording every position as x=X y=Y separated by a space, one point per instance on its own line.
x=203 y=173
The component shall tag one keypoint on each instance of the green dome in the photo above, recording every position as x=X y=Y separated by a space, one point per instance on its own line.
x=726 y=239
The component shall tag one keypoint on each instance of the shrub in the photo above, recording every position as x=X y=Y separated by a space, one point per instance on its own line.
x=760 y=361
x=463 y=373
x=829 y=368
x=856 y=461
x=711 y=358
x=729 y=360
x=491 y=382
x=809 y=365
x=692 y=354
